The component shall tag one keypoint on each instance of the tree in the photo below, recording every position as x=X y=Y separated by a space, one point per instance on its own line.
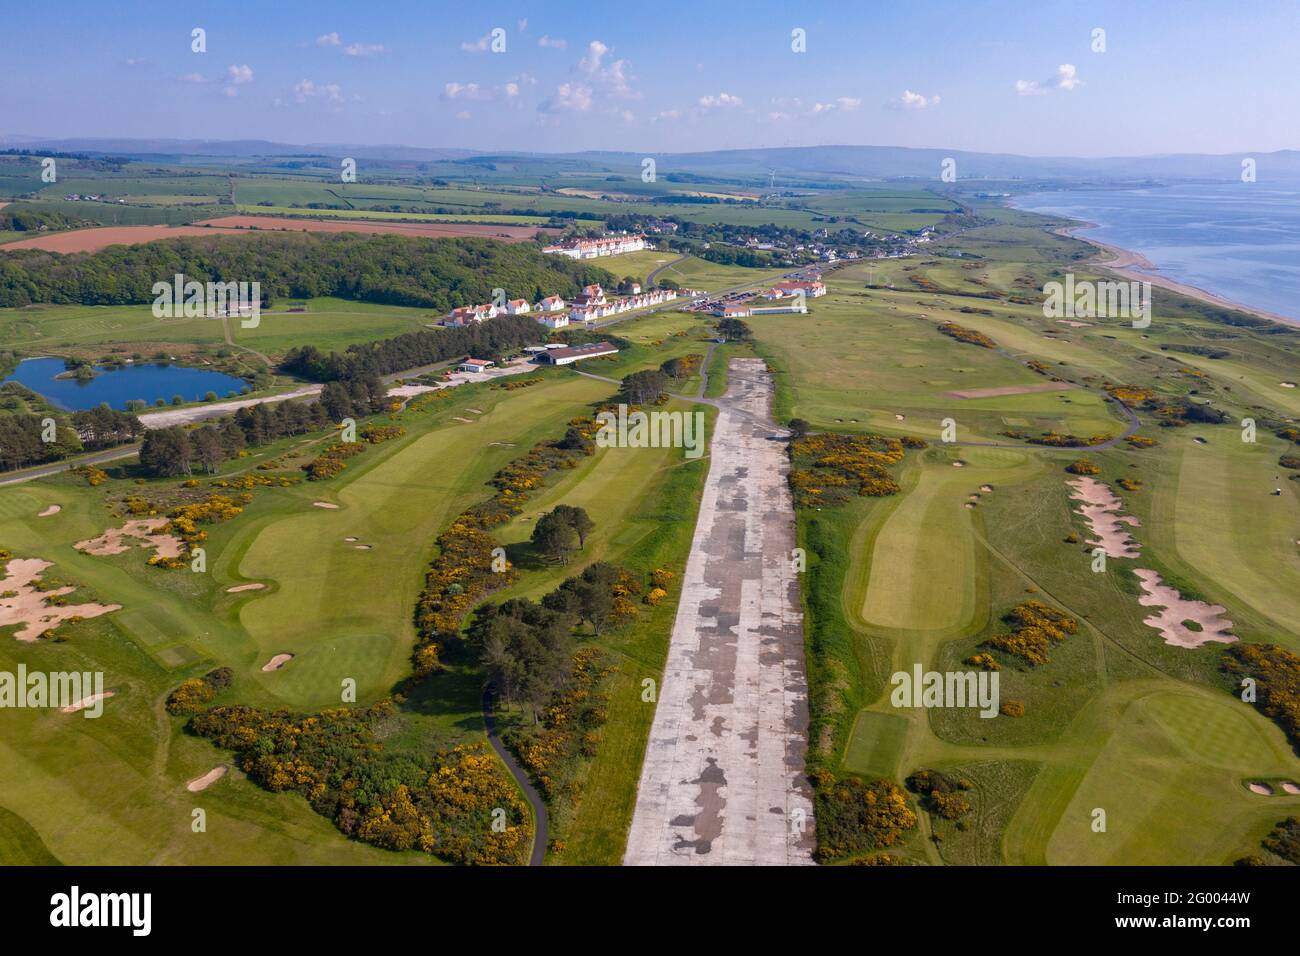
x=798 y=428
x=167 y=452
x=734 y=329
x=578 y=520
x=208 y=448
x=554 y=537
x=642 y=388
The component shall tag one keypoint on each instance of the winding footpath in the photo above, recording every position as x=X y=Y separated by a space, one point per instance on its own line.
x=541 y=828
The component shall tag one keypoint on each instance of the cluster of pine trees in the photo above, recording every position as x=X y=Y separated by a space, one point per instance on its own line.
x=23 y=435
x=396 y=270
x=489 y=340
x=175 y=451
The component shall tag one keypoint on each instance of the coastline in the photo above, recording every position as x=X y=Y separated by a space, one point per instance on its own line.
x=1138 y=268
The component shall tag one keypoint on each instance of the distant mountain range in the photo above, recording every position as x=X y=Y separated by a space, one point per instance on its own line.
x=840 y=162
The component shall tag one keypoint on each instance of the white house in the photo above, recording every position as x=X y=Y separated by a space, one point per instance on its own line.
x=553 y=320
x=552 y=303
x=517 y=307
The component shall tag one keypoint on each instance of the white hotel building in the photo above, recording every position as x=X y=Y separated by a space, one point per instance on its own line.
x=595 y=248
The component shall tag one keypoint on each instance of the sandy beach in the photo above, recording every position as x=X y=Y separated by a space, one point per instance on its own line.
x=1136 y=267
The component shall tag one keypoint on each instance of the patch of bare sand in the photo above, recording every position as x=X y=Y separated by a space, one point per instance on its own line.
x=1287 y=384
x=251 y=586
x=1100 y=507
x=208 y=779
x=362 y=547
x=113 y=541
x=899 y=418
x=457 y=418
x=325 y=504
x=1291 y=787
x=27 y=605
x=85 y=702
x=276 y=662
x=1262 y=789
x=51 y=510
x=1178 y=609
x=986 y=488
x=1073 y=324
x=959 y=464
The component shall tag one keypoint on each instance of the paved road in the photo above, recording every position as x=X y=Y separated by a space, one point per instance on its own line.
x=541 y=832
x=44 y=471
x=723 y=780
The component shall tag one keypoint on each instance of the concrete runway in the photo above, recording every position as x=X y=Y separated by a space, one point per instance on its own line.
x=723 y=780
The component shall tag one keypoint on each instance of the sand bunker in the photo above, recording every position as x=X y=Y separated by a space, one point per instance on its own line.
x=51 y=510
x=325 y=504
x=1290 y=787
x=1100 y=507
x=207 y=780
x=27 y=606
x=144 y=530
x=1010 y=390
x=1287 y=384
x=362 y=547
x=1261 y=788
x=85 y=702
x=476 y=411
x=457 y=418
x=968 y=504
x=1177 y=610
x=899 y=418
x=1073 y=324
x=253 y=586
x=349 y=540
x=276 y=662
x=986 y=488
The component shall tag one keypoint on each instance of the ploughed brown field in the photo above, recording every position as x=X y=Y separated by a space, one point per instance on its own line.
x=101 y=237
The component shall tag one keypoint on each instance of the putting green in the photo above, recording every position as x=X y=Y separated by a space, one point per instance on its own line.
x=923 y=560
x=1237 y=534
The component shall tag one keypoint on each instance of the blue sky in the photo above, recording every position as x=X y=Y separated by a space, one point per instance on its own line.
x=994 y=76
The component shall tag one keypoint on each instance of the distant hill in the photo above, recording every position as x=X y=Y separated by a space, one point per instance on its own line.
x=837 y=162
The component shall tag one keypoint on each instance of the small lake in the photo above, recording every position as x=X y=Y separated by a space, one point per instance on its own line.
x=117 y=386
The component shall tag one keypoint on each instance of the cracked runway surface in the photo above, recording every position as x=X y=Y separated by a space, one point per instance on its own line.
x=723 y=779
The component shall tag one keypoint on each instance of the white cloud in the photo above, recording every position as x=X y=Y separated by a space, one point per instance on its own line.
x=596 y=51
x=568 y=98
x=821 y=108
x=1066 y=78
x=523 y=24
x=135 y=61
x=364 y=49
x=465 y=91
x=910 y=100
x=511 y=90
x=477 y=46
x=554 y=43
x=328 y=39
x=668 y=116
x=240 y=75
x=194 y=78
x=722 y=99
x=305 y=90
x=848 y=102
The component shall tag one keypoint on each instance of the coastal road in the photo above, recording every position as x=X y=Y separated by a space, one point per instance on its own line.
x=723 y=779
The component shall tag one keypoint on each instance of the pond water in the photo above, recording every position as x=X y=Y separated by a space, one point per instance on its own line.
x=117 y=386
